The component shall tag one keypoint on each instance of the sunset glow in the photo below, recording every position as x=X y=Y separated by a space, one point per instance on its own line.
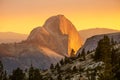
x=22 y=16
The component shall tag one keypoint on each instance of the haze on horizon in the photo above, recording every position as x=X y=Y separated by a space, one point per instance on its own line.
x=22 y=16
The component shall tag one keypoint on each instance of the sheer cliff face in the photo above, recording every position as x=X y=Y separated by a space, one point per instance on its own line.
x=58 y=34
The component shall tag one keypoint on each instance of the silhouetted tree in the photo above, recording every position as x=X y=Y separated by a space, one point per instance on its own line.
x=83 y=54
x=61 y=62
x=88 y=52
x=112 y=41
x=17 y=75
x=75 y=69
x=79 y=55
x=57 y=67
x=1 y=71
x=5 y=76
x=103 y=53
x=31 y=73
x=66 y=60
x=34 y=74
x=72 y=54
x=37 y=75
x=103 y=49
x=51 y=66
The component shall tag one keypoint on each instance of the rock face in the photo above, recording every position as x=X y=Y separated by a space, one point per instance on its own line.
x=58 y=34
x=44 y=45
x=91 y=43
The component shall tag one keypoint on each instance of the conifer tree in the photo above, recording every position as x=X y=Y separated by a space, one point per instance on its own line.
x=31 y=73
x=88 y=52
x=66 y=60
x=103 y=53
x=72 y=54
x=112 y=41
x=5 y=76
x=103 y=50
x=34 y=74
x=37 y=75
x=79 y=55
x=51 y=66
x=1 y=71
x=57 y=67
x=17 y=75
x=61 y=62
x=75 y=69
x=83 y=54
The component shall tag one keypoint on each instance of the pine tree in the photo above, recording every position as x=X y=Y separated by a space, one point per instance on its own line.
x=37 y=75
x=103 y=50
x=5 y=76
x=51 y=66
x=1 y=71
x=112 y=41
x=79 y=55
x=88 y=52
x=66 y=60
x=34 y=74
x=57 y=67
x=72 y=54
x=75 y=69
x=115 y=61
x=103 y=53
x=17 y=75
x=61 y=62
x=83 y=54
x=31 y=73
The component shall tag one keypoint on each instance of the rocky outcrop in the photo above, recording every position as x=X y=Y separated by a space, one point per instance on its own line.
x=58 y=34
x=91 y=43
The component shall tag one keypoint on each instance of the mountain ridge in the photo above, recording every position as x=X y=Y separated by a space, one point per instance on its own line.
x=95 y=31
x=11 y=37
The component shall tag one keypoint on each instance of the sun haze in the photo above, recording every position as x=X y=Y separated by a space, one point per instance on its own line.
x=22 y=16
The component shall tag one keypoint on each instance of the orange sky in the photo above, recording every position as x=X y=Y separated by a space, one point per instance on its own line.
x=22 y=16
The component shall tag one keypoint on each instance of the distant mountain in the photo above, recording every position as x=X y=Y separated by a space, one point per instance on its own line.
x=95 y=31
x=91 y=43
x=11 y=37
x=44 y=46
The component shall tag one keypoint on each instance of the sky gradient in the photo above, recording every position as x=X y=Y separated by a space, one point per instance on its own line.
x=22 y=16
